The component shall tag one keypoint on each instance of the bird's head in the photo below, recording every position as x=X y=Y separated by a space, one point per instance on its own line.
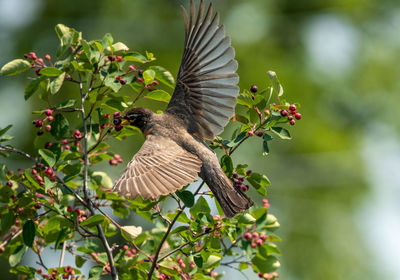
x=139 y=117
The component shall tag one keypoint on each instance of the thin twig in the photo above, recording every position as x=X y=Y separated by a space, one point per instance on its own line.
x=114 y=273
x=62 y=254
x=155 y=259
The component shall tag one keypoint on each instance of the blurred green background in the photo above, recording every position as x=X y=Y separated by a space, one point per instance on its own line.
x=336 y=184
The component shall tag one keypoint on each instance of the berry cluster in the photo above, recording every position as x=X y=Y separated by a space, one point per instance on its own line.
x=255 y=238
x=290 y=114
x=266 y=203
x=115 y=160
x=268 y=276
x=81 y=214
x=68 y=273
x=36 y=62
x=117 y=121
x=239 y=181
x=129 y=252
x=38 y=172
x=40 y=123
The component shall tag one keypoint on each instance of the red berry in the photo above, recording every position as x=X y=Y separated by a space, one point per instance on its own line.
x=254 y=89
x=48 y=127
x=39 y=61
x=118 y=77
x=292 y=122
x=247 y=236
x=139 y=80
x=297 y=116
x=259 y=133
x=113 y=161
x=244 y=188
x=267 y=112
x=67 y=147
x=119 y=58
x=118 y=127
x=40 y=165
x=259 y=242
x=39 y=271
x=38 y=123
x=107 y=116
x=38 y=206
x=250 y=133
x=37 y=71
x=77 y=134
x=255 y=234
x=263 y=237
x=48 y=112
x=50 y=118
x=248 y=172
x=48 y=145
x=117 y=114
x=234 y=175
x=70 y=208
x=253 y=245
x=33 y=55
x=9 y=183
x=125 y=247
x=290 y=118
x=48 y=171
x=284 y=113
x=64 y=141
x=292 y=107
x=155 y=83
x=33 y=171
x=47 y=57
x=132 y=67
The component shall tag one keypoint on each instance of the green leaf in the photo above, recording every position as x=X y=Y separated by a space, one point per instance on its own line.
x=201 y=206
x=79 y=261
x=265 y=265
x=56 y=84
x=66 y=36
x=50 y=72
x=212 y=261
x=259 y=182
x=243 y=266
x=102 y=179
x=28 y=232
x=275 y=82
x=159 y=95
x=265 y=148
x=281 y=132
x=93 y=220
x=246 y=219
x=32 y=87
x=227 y=165
x=107 y=41
x=72 y=171
x=15 y=67
x=25 y=270
x=187 y=197
x=163 y=76
x=16 y=256
x=130 y=232
x=48 y=156
x=59 y=127
x=95 y=272
x=245 y=101
x=135 y=57
x=148 y=76
x=4 y=130
x=198 y=260
x=117 y=48
x=67 y=104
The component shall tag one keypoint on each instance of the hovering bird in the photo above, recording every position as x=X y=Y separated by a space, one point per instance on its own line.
x=174 y=153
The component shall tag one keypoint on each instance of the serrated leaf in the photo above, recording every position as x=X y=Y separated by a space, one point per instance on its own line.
x=245 y=101
x=163 y=76
x=102 y=179
x=187 y=197
x=16 y=256
x=32 y=87
x=56 y=84
x=59 y=126
x=148 y=76
x=15 y=67
x=275 y=82
x=135 y=57
x=4 y=130
x=48 y=156
x=130 y=232
x=28 y=232
x=93 y=221
x=281 y=132
x=201 y=206
x=50 y=72
x=159 y=95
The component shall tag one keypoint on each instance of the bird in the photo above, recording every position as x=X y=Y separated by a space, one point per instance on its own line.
x=175 y=153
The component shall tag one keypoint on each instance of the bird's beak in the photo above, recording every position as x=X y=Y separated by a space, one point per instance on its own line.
x=124 y=122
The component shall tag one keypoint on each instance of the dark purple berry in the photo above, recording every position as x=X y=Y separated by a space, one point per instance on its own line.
x=140 y=73
x=117 y=122
x=118 y=127
x=254 y=89
x=39 y=133
x=259 y=134
x=122 y=81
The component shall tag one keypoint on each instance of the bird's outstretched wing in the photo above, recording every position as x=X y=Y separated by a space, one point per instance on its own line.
x=160 y=167
x=206 y=88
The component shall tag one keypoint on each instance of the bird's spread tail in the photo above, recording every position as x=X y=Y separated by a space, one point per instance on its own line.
x=232 y=200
